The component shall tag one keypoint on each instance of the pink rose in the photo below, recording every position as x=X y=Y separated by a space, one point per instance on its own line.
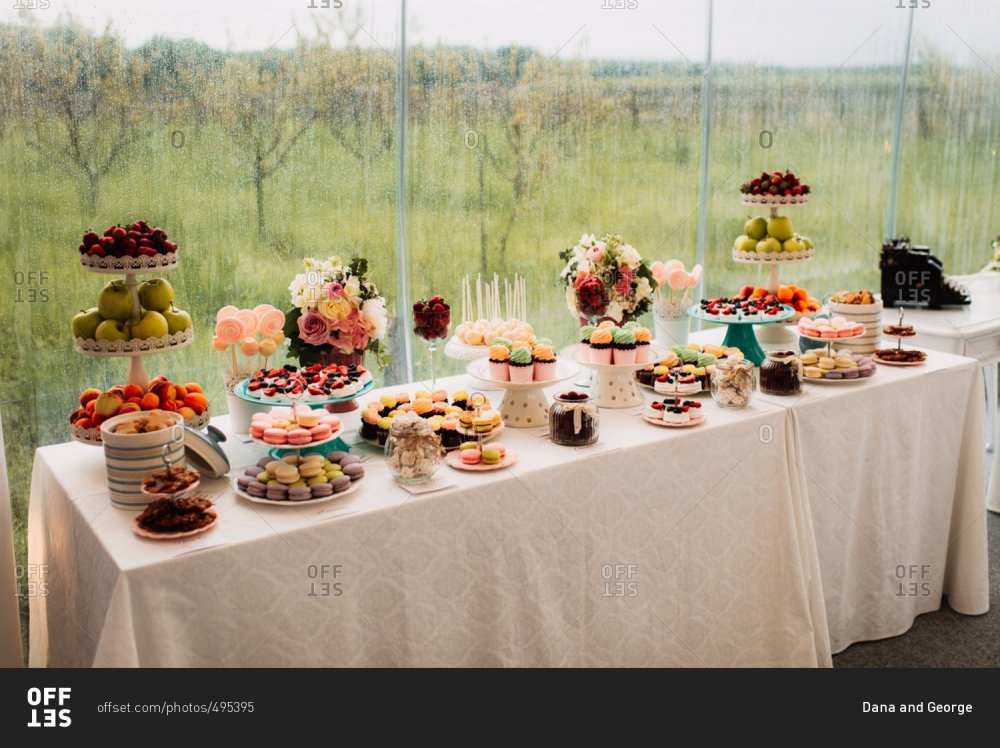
x=623 y=287
x=595 y=253
x=334 y=290
x=313 y=329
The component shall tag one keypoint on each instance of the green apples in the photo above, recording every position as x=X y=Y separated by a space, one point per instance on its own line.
x=806 y=242
x=107 y=404
x=156 y=295
x=745 y=243
x=770 y=244
x=84 y=324
x=150 y=325
x=792 y=245
x=115 y=301
x=177 y=320
x=780 y=227
x=756 y=229
x=112 y=329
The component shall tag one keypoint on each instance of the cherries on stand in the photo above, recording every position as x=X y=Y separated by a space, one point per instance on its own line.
x=431 y=318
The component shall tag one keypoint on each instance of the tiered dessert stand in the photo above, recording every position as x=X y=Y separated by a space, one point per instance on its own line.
x=135 y=349
x=774 y=335
x=741 y=329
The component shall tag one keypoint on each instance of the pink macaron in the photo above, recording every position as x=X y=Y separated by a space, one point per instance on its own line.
x=275 y=436
x=321 y=431
x=257 y=430
x=828 y=334
x=299 y=436
x=330 y=420
x=471 y=456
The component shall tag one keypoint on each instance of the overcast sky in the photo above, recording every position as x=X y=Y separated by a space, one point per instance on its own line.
x=778 y=32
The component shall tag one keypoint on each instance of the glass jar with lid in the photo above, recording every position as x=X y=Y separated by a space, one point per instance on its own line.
x=574 y=420
x=733 y=382
x=781 y=373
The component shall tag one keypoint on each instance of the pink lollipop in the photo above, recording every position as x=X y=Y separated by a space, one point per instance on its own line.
x=271 y=321
x=261 y=308
x=249 y=320
x=695 y=278
x=219 y=344
x=226 y=311
x=678 y=279
x=659 y=271
x=229 y=330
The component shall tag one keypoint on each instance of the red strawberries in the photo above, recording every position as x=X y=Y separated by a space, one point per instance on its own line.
x=135 y=240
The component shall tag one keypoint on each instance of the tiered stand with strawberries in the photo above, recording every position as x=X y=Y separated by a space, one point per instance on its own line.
x=119 y=252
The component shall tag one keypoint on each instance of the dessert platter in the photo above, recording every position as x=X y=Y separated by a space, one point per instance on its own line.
x=615 y=354
x=475 y=457
x=299 y=428
x=492 y=313
x=830 y=331
x=297 y=480
x=466 y=415
x=131 y=318
x=841 y=367
x=674 y=412
x=161 y=394
x=314 y=385
x=172 y=515
x=686 y=370
x=522 y=372
x=899 y=356
x=742 y=315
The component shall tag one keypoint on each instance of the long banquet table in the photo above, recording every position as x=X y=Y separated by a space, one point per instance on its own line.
x=770 y=536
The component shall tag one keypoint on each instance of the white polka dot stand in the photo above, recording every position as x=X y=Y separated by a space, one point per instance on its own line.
x=524 y=404
x=615 y=386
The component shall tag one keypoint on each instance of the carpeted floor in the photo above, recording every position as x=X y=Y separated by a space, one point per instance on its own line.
x=942 y=638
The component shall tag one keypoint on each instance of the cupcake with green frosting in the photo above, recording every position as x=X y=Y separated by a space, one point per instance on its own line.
x=522 y=365
x=585 y=332
x=623 y=349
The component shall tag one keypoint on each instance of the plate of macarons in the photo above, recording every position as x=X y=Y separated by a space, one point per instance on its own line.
x=303 y=427
x=477 y=458
x=300 y=481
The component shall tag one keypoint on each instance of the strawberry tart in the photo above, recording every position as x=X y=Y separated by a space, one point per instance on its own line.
x=289 y=383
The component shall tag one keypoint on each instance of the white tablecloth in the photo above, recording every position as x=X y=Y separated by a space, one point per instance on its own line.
x=696 y=547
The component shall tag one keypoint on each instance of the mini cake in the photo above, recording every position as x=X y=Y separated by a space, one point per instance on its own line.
x=544 y=357
x=623 y=346
x=499 y=360
x=600 y=346
x=382 y=432
x=460 y=399
x=450 y=438
x=521 y=364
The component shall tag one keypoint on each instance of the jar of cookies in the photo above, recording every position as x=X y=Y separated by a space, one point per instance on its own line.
x=574 y=420
x=781 y=373
x=733 y=382
x=413 y=449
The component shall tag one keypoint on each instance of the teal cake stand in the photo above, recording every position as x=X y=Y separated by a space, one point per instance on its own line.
x=740 y=333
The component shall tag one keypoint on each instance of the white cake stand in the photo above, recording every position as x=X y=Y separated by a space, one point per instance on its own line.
x=524 y=404
x=615 y=386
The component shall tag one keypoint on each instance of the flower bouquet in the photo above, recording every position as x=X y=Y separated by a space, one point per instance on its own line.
x=337 y=314
x=255 y=333
x=606 y=278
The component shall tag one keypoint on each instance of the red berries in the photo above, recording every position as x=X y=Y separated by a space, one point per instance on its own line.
x=775 y=183
x=136 y=240
x=431 y=318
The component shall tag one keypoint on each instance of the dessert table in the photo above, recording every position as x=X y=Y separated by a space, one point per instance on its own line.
x=770 y=536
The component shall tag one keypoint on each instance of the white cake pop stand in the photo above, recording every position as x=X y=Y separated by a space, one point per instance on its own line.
x=614 y=385
x=524 y=404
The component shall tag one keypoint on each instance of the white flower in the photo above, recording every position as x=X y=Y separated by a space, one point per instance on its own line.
x=297 y=289
x=373 y=310
x=629 y=255
x=643 y=290
x=587 y=240
x=571 y=300
x=583 y=266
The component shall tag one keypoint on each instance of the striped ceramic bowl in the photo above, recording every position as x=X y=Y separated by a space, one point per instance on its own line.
x=131 y=457
x=870 y=315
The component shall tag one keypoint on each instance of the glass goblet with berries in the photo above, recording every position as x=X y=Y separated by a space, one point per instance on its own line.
x=431 y=322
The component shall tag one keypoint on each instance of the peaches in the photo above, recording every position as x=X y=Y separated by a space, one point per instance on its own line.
x=95 y=406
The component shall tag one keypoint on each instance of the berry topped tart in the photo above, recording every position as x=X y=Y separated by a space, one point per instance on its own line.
x=316 y=382
x=741 y=307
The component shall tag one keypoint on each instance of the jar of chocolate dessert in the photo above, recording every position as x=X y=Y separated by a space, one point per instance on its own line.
x=574 y=420
x=781 y=373
x=733 y=382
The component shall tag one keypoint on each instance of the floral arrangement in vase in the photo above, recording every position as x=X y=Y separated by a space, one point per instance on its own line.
x=255 y=334
x=606 y=278
x=337 y=314
x=674 y=285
